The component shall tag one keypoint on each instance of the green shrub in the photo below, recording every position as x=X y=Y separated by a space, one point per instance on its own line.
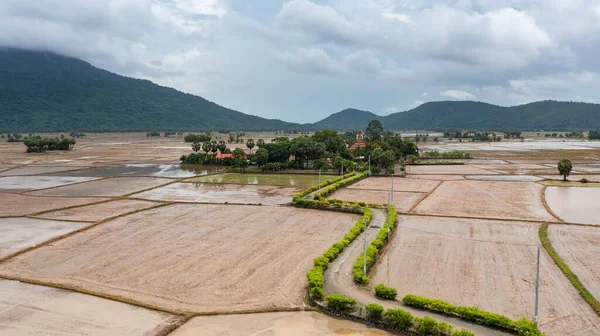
x=444 y=328
x=399 y=318
x=584 y=180
x=463 y=333
x=374 y=311
x=339 y=302
x=322 y=262
x=426 y=325
x=385 y=292
x=362 y=204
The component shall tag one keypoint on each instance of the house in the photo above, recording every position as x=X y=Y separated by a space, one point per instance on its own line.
x=223 y=156
x=360 y=143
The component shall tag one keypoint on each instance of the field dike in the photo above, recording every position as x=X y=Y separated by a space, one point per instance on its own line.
x=585 y=294
x=543 y=196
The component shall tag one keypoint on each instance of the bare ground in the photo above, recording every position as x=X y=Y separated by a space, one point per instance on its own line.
x=117 y=186
x=579 y=247
x=484 y=263
x=21 y=205
x=435 y=177
x=403 y=201
x=27 y=183
x=30 y=310
x=98 y=212
x=447 y=170
x=487 y=199
x=400 y=184
x=198 y=258
x=285 y=323
x=220 y=193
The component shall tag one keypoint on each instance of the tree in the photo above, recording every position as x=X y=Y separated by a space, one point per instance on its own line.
x=564 y=167
x=338 y=162
x=196 y=146
x=260 y=143
x=239 y=153
x=333 y=141
x=222 y=146
x=250 y=145
x=214 y=147
x=207 y=147
x=374 y=130
x=241 y=163
x=262 y=156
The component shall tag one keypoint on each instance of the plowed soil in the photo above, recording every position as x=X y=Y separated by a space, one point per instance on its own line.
x=199 y=258
x=579 y=247
x=487 y=199
x=400 y=184
x=98 y=212
x=447 y=170
x=484 y=263
x=403 y=201
x=20 y=205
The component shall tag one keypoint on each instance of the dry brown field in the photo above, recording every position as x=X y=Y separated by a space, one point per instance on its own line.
x=484 y=263
x=284 y=323
x=30 y=310
x=403 y=201
x=117 y=186
x=579 y=247
x=487 y=199
x=447 y=170
x=220 y=193
x=197 y=258
x=400 y=184
x=14 y=205
x=573 y=177
x=98 y=212
x=436 y=177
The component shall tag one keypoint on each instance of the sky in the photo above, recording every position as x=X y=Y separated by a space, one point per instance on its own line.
x=303 y=60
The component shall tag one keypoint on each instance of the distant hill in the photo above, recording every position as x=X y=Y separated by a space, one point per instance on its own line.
x=346 y=119
x=42 y=92
x=45 y=92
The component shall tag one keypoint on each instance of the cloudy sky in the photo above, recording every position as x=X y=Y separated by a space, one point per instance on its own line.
x=302 y=60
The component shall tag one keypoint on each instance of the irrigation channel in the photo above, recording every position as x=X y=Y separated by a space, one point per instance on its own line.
x=339 y=279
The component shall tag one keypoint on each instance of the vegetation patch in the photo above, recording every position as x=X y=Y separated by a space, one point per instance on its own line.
x=374 y=248
x=316 y=274
x=522 y=326
x=385 y=292
x=585 y=294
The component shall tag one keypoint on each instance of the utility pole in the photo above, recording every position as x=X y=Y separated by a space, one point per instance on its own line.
x=319 y=182
x=369 y=165
x=342 y=167
x=392 y=187
x=365 y=248
x=537 y=285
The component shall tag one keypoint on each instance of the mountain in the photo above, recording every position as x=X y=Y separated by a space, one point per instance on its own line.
x=46 y=92
x=43 y=92
x=346 y=119
x=469 y=115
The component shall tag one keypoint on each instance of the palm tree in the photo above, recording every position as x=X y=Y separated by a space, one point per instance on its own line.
x=260 y=143
x=250 y=144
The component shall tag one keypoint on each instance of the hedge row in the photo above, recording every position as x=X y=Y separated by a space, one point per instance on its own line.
x=397 y=318
x=326 y=183
x=585 y=294
x=373 y=249
x=338 y=185
x=316 y=274
x=522 y=326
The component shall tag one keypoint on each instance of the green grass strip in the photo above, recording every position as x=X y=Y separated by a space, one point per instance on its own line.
x=585 y=294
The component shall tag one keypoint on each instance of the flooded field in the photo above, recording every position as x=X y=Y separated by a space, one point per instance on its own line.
x=291 y=180
x=34 y=170
x=98 y=212
x=27 y=183
x=275 y=324
x=220 y=193
x=447 y=170
x=576 y=205
x=487 y=199
x=156 y=170
x=30 y=310
x=20 y=233
x=514 y=178
x=203 y=258
x=117 y=186
x=484 y=263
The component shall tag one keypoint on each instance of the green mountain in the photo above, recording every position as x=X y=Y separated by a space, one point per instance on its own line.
x=43 y=92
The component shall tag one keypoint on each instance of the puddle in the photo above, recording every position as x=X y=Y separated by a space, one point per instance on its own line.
x=156 y=170
x=25 y=183
x=513 y=178
x=575 y=204
x=301 y=181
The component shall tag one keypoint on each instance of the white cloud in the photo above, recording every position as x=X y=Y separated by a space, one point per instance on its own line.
x=397 y=16
x=458 y=94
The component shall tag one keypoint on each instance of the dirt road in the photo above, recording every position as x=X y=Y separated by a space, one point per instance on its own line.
x=338 y=279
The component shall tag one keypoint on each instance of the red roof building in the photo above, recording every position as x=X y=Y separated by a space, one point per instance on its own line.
x=360 y=143
x=222 y=156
